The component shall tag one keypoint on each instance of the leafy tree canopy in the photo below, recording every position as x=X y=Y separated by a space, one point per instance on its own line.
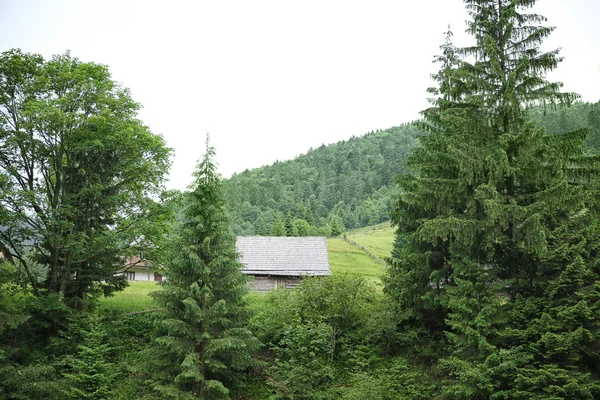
x=79 y=173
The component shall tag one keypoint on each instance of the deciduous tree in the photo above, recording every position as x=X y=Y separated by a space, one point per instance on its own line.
x=80 y=173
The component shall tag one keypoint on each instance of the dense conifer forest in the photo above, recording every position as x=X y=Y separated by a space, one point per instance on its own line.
x=492 y=290
x=353 y=182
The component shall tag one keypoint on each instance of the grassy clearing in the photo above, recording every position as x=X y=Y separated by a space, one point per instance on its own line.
x=133 y=298
x=379 y=239
x=347 y=259
x=343 y=259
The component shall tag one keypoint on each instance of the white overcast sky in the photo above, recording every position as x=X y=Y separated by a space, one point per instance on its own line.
x=270 y=79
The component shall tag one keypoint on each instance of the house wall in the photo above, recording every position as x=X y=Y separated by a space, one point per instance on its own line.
x=141 y=274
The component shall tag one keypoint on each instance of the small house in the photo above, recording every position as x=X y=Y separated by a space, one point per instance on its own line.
x=279 y=261
x=137 y=268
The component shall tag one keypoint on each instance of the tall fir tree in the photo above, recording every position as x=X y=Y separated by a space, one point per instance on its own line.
x=91 y=373
x=499 y=224
x=202 y=343
x=278 y=227
x=337 y=226
x=288 y=222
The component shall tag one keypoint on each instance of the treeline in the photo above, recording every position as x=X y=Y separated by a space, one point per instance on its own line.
x=341 y=186
x=493 y=289
x=495 y=271
x=580 y=115
x=351 y=184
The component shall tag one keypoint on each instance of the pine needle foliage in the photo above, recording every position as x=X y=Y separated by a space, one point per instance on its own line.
x=498 y=225
x=278 y=227
x=202 y=341
x=92 y=374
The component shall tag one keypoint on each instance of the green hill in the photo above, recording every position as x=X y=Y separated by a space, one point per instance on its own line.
x=378 y=239
x=352 y=180
x=347 y=259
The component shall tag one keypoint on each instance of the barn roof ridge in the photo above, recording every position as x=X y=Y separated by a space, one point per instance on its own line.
x=283 y=255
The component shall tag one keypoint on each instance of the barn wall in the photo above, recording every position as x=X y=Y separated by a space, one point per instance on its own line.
x=288 y=282
x=262 y=283
x=266 y=283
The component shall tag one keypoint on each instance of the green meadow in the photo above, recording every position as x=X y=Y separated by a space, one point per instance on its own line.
x=347 y=259
x=343 y=259
x=379 y=239
x=134 y=298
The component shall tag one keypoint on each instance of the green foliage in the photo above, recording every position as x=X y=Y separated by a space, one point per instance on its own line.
x=201 y=343
x=92 y=375
x=79 y=173
x=128 y=337
x=33 y=381
x=337 y=226
x=290 y=228
x=578 y=116
x=304 y=366
x=394 y=379
x=12 y=300
x=497 y=230
x=12 y=315
x=278 y=227
x=340 y=302
x=303 y=228
x=352 y=180
x=328 y=335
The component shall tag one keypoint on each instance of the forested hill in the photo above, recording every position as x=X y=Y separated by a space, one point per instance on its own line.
x=577 y=116
x=352 y=180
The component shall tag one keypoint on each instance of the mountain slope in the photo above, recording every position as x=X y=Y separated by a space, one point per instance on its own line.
x=352 y=179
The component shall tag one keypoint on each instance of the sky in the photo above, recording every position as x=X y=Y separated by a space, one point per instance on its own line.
x=271 y=79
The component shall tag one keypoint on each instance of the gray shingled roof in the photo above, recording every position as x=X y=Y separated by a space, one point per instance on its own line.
x=285 y=256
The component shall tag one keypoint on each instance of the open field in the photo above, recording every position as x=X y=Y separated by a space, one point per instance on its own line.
x=133 y=298
x=343 y=259
x=379 y=239
x=347 y=259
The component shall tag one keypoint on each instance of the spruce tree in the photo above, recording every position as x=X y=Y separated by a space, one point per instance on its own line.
x=288 y=222
x=337 y=226
x=278 y=227
x=91 y=373
x=500 y=222
x=202 y=342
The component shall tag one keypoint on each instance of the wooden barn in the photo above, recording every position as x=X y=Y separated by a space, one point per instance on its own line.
x=276 y=261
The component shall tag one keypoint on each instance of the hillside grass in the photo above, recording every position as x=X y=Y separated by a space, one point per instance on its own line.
x=379 y=239
x=343 y=259
x=347 y=259
x=134 y=298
